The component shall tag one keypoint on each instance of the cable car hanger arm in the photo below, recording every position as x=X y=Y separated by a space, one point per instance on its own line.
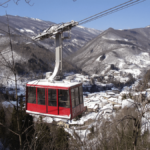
x=55 y=29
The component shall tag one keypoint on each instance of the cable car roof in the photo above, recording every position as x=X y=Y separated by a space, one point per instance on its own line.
x=44 y=82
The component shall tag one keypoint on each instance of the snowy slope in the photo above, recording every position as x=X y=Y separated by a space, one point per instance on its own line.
x=32 y=26
x=126 y=50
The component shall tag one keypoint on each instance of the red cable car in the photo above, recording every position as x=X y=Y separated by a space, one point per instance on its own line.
x=53 y=98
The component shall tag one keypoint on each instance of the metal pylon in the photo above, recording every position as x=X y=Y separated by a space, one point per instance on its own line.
x=58 y=57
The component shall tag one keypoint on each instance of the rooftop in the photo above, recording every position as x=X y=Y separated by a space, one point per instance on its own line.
x=44 y=82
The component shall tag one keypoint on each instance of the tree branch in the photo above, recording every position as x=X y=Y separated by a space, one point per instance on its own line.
x=5 y=3
x=9 y=129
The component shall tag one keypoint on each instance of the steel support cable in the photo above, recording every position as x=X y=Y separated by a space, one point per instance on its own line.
x=101 y=16
x=105 y=11
x=112 y=11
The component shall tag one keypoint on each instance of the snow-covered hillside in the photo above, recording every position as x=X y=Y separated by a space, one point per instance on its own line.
x=32 y=26
x=125 y=51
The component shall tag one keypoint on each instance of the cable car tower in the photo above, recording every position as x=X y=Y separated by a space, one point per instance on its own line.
x=56 y=32
x=61 y=99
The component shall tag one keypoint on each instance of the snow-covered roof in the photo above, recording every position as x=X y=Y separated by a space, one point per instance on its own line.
x=44 y=82
x=148 y=89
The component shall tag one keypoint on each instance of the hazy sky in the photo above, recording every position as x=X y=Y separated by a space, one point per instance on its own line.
x=66 y=10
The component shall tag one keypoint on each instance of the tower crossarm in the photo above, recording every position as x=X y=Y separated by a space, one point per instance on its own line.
x=55 y=29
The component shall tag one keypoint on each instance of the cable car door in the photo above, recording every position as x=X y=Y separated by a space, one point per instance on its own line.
x=52 y=106
x=41 y=100
x=64 y=102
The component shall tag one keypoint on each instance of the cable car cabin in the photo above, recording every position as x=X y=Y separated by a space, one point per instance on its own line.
x=61 y=100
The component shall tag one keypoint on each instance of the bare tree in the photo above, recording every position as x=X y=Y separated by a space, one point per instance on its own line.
x=47 y=136
x=127 y=129
x=5 y=2
x=8 y=64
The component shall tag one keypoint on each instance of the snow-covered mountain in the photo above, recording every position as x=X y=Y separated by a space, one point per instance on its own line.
x=31 y=26
x=148 y=26
x=125 y=51
x=31 y=56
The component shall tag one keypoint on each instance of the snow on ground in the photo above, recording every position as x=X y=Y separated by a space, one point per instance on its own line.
x=21 y=30
x=48 y=119
x=82 y=133
x=81 y=27
x=77 y=79
x=142 y=60
x=70 y=131
x=112 y=39
x=75 y=41
x=25 y=30
x=28 y=30
x=98 y=59
x=91 y=30
x=127 y=103
x=135 y=72
x=116 y=100
x=121 y=63
x=126 y=40
x=70 y=49
x=36 y=19
x=108 y=108
x=91 y=115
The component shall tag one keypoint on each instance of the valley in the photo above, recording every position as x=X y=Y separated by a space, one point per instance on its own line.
x=112 y=65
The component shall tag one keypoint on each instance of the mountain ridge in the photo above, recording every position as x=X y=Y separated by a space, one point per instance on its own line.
x=115 y=47
x=31 y=27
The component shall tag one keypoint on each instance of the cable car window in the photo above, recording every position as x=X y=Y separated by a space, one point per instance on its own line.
x=41 y=96
x=63 y=98
x=77 y=96
x=52 y=97
x=73 y=98
x=32 y=95
x=81 y=94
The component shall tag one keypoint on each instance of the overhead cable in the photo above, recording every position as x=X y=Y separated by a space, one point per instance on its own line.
x=111 y=10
